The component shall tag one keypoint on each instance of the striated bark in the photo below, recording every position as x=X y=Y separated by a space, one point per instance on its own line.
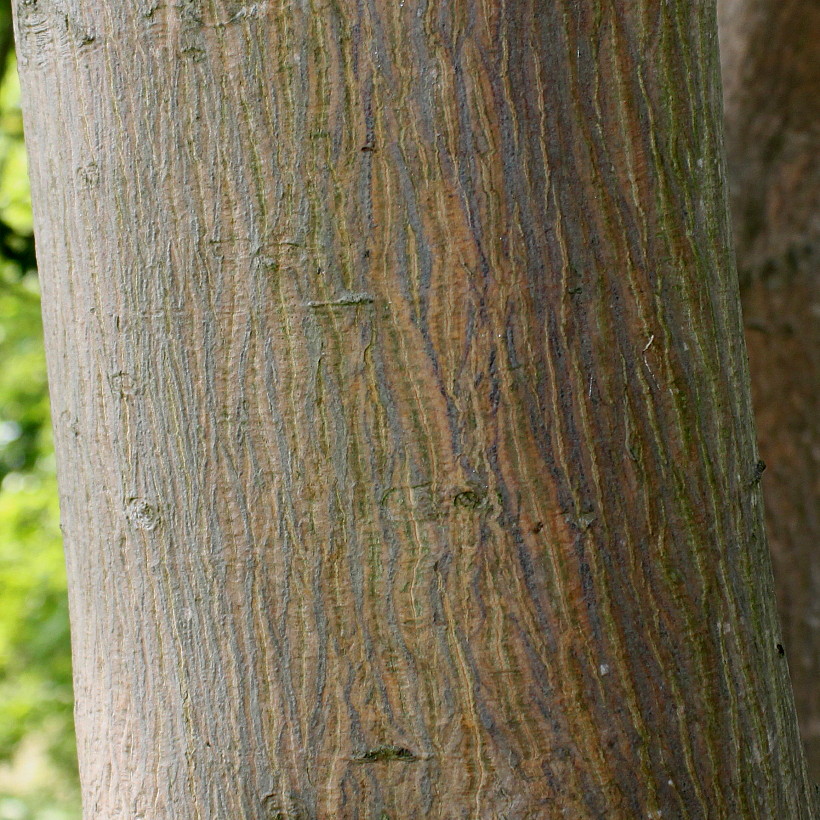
x=402 y=412
x=770 y=52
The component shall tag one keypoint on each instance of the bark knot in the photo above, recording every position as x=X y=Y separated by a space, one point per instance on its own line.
x=141 y=514
x=469 y=500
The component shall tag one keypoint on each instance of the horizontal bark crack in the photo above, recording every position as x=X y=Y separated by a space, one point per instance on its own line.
x=385 y=754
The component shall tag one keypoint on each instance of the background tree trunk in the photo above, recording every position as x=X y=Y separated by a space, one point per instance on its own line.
x=402 y=412
x=771 y=76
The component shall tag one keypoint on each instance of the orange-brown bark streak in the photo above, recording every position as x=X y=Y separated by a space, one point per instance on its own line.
x=402 y=412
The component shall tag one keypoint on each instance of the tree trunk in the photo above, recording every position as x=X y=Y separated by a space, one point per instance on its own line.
x=402 y=412
x=771 y=77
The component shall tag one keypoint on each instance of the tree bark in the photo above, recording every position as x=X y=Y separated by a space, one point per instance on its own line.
x=402 y=412
x=771 y=77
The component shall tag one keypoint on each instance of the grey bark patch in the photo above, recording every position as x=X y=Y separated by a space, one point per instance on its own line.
x=89 y=175
x=416 y=501
x=48 y=24
x=586 y=520
x=122 y=384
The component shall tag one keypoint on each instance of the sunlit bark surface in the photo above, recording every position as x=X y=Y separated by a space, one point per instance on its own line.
x=402 y=412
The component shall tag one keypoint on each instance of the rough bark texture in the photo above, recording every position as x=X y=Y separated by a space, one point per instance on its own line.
x=771 y=75
x=402 y=412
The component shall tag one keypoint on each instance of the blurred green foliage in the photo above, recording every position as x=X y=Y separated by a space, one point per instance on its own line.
x=38 y=776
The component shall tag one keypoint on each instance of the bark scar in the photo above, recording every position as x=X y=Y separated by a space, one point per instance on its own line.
x=380 y=754
x=347 y=300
